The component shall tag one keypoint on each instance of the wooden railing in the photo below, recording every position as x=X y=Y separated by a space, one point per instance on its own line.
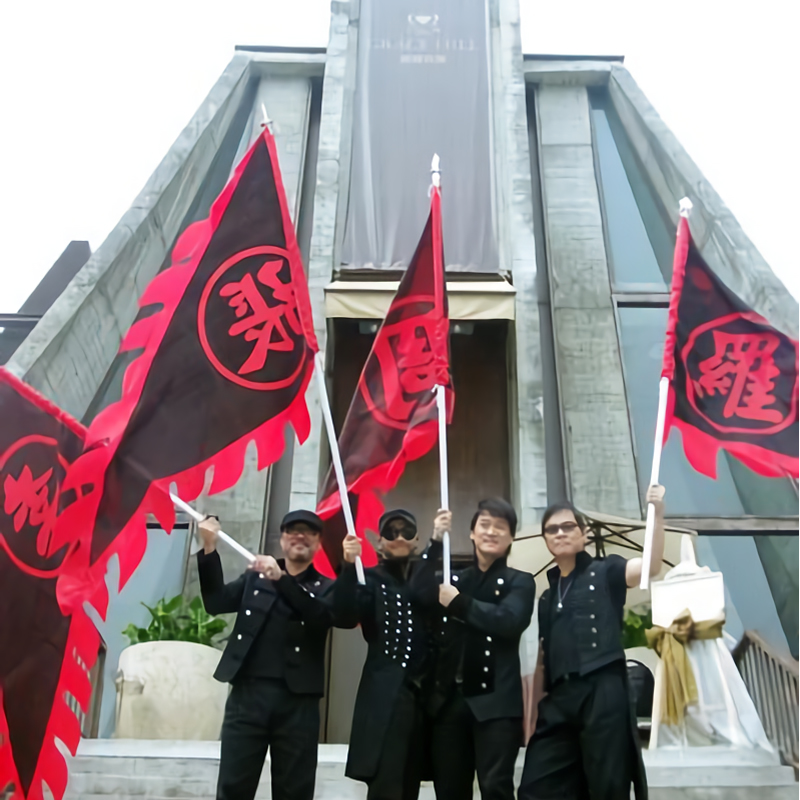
x=771 y=680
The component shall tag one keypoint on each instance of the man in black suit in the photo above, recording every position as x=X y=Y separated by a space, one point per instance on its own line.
x=275 y=660
x=386 y=746
x=586 y=742
x=476 y=696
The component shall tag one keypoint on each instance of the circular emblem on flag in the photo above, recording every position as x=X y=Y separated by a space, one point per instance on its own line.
x=30 y=500
x=248 y=320
x=401 y=375
x=739 y=375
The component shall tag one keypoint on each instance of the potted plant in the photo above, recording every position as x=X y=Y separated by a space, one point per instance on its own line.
x=165 y=684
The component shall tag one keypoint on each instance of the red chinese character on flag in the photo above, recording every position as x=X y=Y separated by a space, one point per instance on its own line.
x=407 y=365
x=743 y=370
x=27 y=498
x=259 y=321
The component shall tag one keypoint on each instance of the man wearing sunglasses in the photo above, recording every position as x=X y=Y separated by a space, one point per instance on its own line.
x=585 y=744
x=386 y=749
x=274 y=659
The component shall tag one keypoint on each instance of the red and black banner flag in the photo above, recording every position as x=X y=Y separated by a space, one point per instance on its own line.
x=41 y=646
x=733 y=377
x=227 y=344
x=392 y=418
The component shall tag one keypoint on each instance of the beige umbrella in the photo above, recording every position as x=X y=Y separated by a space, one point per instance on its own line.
x=607 y=534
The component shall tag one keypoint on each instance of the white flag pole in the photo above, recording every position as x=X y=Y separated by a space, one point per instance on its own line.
x=663 y=395
x=647 y=556
x=444 y=493
x=336 y=457
x=198 y=517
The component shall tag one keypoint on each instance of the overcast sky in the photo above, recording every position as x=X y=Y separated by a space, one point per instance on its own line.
x=94 y=92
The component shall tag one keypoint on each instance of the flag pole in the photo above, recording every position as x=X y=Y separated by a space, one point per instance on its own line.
x=336 y=457
x=647 y=555
x=658 y=445
x=198 y=517
x=444 y=492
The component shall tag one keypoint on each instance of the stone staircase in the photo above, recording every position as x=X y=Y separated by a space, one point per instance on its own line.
x=157 y=770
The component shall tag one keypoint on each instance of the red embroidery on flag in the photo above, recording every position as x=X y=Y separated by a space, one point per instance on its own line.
x=269 y=320
x=31 y=496
x=738 y=380
x=742 y=369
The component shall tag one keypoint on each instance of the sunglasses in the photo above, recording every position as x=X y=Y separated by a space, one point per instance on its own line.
x=390 y=533
x=567 y=527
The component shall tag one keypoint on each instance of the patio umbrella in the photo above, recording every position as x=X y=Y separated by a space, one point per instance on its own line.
x=607 y=535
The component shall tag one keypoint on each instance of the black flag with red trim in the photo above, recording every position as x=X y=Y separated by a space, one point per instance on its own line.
x=40 y=644
x=393 y=416
x=733 y=377
x=226 y=357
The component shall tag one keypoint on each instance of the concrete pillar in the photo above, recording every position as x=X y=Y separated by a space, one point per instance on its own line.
x=330 y=204
x=516 y=248
x=598 y=444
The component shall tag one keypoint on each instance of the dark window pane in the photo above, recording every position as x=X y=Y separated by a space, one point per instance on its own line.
x=422 y=87
x=11 y=337
x=632 y=259
x=737 y=490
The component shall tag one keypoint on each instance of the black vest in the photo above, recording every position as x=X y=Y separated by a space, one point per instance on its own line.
x=596 y=616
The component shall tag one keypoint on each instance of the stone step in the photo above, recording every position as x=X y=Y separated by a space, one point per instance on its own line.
x=136 y=770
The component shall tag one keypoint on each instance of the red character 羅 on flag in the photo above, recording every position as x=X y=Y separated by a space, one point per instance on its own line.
x=393 y=418
x=733 y=377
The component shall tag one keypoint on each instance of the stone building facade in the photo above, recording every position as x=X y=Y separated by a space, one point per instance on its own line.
x=561 y=187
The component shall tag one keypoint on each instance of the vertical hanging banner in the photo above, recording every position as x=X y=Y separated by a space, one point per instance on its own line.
x=393 y=416
x=41 y=647
x=733 y=377
x=227 y=345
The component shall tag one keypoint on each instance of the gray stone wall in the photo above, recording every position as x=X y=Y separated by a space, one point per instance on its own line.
x=597 y=438
x=514 y=220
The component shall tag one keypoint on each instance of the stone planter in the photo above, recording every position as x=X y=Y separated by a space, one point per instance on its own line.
x=166 y=690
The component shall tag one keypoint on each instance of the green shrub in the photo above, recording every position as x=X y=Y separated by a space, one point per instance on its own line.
x=634 y=624
x=174 y=621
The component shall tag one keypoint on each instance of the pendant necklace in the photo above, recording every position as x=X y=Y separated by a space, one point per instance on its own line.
x=562 y=597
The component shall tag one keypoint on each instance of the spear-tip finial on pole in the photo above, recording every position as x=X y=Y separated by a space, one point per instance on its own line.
x=436 y=175
x=266 y=122
x=685 y=207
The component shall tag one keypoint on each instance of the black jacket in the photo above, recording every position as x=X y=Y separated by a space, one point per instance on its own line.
x=597 y=618
x=392 y=610
x=478 y=638
x=595 y=611
x=252 y=596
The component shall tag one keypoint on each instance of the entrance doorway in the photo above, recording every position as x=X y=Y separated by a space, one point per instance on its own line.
x=478 y=460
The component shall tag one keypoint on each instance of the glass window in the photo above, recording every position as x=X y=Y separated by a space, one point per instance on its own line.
x=639 y=241
x=12 y=336
x=738 y=490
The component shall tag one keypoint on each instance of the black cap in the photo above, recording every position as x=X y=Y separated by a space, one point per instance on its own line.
x=309 y=517
x=397 y=513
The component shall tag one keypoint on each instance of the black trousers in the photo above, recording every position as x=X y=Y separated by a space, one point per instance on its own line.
x=400 y=764
x=462 y=746
x=583 y=744
x=262 y=714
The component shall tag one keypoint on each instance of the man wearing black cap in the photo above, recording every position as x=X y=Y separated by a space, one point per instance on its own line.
x=386 y=749
x=275 y=660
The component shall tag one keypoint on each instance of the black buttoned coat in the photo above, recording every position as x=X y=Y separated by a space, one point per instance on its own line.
x=597 y=620
x=252 y=596
x=478 y=637
x=392 y=610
